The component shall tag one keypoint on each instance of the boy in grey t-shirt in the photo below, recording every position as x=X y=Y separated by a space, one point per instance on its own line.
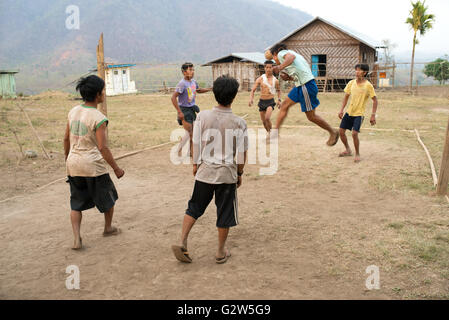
x=220 y=144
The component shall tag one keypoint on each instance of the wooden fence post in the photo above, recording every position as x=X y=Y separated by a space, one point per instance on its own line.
x=443 y=177
x=101 y=71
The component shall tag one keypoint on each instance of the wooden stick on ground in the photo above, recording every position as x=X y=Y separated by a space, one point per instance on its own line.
x=34 y=130
x=432 y=167
x=118 y=158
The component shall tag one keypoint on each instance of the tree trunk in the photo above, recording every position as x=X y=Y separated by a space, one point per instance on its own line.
x=413 y=62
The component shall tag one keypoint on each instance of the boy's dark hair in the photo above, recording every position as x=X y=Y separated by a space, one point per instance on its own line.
x=363 y=67
x=225 y=89
x=278 y=47
x=90 y=87
x=186 y=66
x=268 y=62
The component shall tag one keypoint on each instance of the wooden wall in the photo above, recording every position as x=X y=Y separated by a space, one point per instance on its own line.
x=246 y=73
x=343 y=52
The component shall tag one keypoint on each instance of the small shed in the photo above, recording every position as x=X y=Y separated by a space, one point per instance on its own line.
x=8 y=84
x=332 y=51
x=118 y=79
x=246 y=67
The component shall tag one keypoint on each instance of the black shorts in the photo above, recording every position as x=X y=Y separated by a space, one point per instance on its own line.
x=189 y=114
x=225 y=200
x=351 y=123
x=89 y=192
x=265 y=104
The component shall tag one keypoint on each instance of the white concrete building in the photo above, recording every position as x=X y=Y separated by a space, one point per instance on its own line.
x=118 y=79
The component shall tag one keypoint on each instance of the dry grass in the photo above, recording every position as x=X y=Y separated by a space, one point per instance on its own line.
x=415 y=249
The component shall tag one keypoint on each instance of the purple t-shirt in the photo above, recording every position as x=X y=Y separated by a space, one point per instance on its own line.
x=187 y=92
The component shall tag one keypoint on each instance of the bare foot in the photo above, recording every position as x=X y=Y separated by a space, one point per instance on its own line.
x=357 y=159
x=333 y=139
x=112 y=231
x=345 y=154
x=78 y=244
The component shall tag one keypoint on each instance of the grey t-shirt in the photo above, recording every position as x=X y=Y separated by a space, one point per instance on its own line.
x=220 y=139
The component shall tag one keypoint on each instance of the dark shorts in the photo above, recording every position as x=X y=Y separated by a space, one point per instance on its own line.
x=351 y=123
x=306 y=95
x=265 y=104
x=225 y=200
x=189 y=114
x=89 y=192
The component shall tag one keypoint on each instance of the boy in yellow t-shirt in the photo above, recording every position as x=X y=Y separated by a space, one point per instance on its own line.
x=360 y=90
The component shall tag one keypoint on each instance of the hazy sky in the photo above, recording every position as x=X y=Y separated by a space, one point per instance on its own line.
x=383 y=19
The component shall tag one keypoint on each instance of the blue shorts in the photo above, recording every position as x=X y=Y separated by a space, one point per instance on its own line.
x=351 y=123
x=306 y=95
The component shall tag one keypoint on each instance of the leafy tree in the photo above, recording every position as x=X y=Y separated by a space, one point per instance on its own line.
x=420 y=21
x=438 y=69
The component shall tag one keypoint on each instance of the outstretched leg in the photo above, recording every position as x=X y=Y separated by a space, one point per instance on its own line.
x=313 y=117
x=286 y=104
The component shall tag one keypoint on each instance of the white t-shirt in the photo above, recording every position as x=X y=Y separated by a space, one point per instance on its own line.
x=85 y=160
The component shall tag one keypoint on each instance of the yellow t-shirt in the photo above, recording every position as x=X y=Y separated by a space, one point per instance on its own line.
x=359 y=97
x=85 y=160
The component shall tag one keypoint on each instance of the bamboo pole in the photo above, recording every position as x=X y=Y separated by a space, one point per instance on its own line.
x=432 y=167
x=118 y=158
x=34 y=130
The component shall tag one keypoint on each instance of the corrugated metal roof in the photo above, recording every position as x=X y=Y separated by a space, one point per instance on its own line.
x=8 y=71
x=109 y=66
x=256 y=57
x=355 y=34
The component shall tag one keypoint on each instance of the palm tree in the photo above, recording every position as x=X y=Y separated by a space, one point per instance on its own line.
x=419 y=21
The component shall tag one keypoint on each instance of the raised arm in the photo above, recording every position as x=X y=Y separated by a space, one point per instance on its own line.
x=203 y=90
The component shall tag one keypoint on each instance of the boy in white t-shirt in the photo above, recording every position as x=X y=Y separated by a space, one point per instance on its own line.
x=86 y=154
x=269 y=86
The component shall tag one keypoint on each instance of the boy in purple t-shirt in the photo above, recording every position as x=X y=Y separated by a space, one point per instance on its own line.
x=183 y=99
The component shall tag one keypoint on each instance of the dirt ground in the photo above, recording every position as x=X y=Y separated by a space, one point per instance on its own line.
x=307 y=232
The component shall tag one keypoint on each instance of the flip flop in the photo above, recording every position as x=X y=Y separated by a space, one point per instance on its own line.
x=114 y=232
x=224 y=259
x=181 y=254
x=345 y=154
x=331 y=144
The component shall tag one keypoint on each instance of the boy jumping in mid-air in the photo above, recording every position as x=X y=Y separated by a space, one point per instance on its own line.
x=269 y=85
x=305 y=92
x=360 y=90
x=220 y=150
x=86 y=153
x=183 y=99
